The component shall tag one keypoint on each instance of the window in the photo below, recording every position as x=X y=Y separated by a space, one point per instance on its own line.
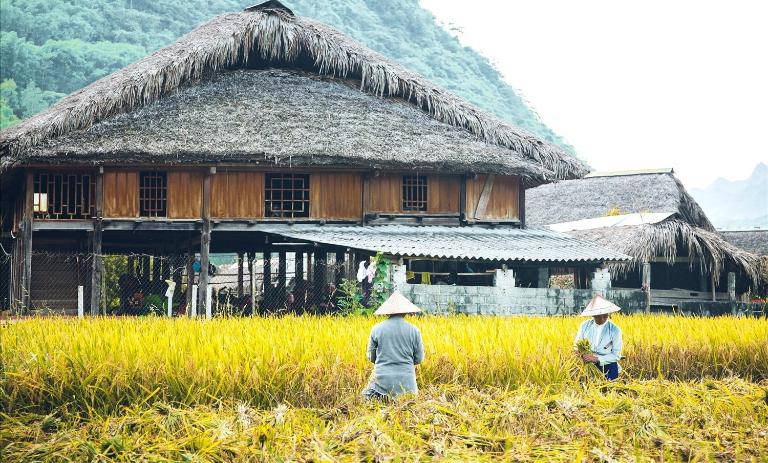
x=415 y=193
x=153 y=194
x=286 y=195
x=63 y=195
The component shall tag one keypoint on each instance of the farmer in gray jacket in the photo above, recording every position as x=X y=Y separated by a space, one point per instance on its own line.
x=395 y=348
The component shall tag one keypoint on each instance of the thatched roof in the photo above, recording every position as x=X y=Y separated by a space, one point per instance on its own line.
x=671 y=225
x=291 y=118
x=598 y=196
x=754 y=241
x=670 y=239
x=271 y=37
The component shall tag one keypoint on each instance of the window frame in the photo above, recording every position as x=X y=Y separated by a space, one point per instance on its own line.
x=414 y=197
x=296 y=193
x=160 y=192
x=67 y=195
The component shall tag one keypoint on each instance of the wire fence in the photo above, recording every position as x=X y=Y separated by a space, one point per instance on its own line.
x=138 y=284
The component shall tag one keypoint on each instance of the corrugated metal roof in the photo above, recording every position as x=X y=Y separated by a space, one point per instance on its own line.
x=500 y=244
x=621 y=220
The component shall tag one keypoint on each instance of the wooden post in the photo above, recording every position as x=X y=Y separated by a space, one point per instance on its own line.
x=338 y=270
x=714 y=288
x=267 y=283
x=239 y=274
x=521 y=202
x=252 y=283
x=463 y=199
x=97 y=263
x=190 y=273
x=145 y=270
x=309 y=267
x=155 y=271
x=205 y=239
x=318 y=271
x=26 y=240
x=281 y=276
x=298 y=265
x=647 y=285
x=365 y=197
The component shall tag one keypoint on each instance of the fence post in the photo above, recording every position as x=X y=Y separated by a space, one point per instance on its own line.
x=193 y=313
x=80 y=302
x=169 y=294
x=208 y=311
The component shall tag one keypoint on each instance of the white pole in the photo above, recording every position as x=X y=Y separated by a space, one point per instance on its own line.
x=208 y=313
x=194 y=301
x=169 y=294
x=80 y=303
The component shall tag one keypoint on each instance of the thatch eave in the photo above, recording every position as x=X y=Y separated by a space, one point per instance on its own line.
x=707 y=251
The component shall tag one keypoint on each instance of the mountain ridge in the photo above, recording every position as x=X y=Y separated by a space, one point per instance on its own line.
x=736 y=204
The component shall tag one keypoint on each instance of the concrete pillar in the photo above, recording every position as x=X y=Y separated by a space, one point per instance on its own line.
x=399 y=276
x=647 y=285
x=732 y=291
x=504 y=278
x=543 y=277
x=601 y=281
x=731 y=286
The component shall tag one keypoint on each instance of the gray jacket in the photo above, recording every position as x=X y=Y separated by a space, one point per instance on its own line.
x=395 y=348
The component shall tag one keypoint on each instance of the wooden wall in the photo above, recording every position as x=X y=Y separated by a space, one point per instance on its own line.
x=185 y=194
x=504 y=202
x=335 y=195
x=121 y=194
x=386 y=194
x=237 y=194
x=443 y=194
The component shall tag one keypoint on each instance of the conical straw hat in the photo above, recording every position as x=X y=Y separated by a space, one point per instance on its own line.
x=599 y=306
x=397 y=304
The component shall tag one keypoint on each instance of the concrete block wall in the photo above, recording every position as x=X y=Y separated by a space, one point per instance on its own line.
x=490 y=300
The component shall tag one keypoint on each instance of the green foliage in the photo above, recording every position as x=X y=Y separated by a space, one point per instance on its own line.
x=155 y=304
x=350 y=300
x=63 y=45
x=382 y=287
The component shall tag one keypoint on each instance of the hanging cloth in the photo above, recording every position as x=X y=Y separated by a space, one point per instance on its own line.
x=361 y=272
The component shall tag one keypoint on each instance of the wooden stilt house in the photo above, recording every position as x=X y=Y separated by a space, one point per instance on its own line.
x=253 y=127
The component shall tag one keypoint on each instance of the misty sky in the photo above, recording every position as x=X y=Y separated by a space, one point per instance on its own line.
x=680 y=83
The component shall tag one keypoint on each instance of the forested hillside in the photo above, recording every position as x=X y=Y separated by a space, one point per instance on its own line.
x=53 y=47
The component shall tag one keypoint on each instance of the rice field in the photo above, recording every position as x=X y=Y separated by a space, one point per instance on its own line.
x=288 y=389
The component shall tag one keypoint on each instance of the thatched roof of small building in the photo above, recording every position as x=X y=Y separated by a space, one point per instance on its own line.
x=601 y=195
x=670 y=239
x=754 y=241
x=676 y=226
x=82 y=127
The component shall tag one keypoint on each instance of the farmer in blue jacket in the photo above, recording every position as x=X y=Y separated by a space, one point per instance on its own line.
x=603 y=335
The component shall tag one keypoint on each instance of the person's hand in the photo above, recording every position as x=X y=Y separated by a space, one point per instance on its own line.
x=589 y=358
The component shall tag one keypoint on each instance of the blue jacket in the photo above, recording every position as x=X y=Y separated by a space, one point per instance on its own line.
x=608 y=348
x=394 y=347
